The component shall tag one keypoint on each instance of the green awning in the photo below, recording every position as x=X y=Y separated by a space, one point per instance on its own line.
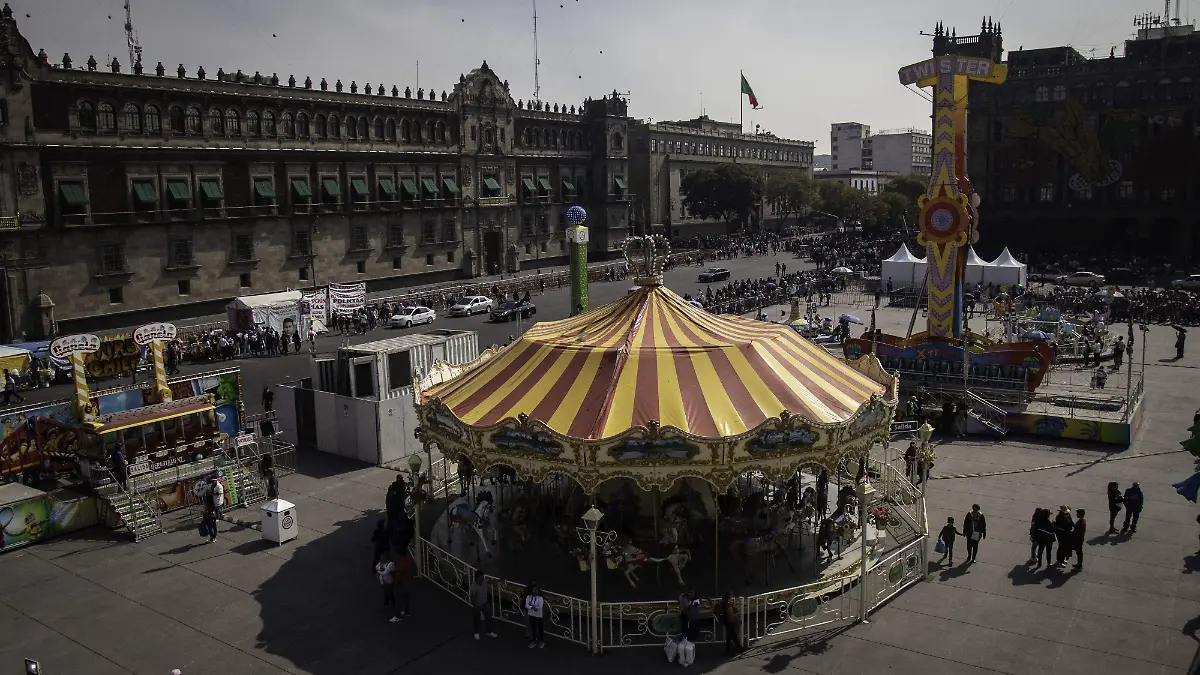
x=387 y=187
x=212 y=190
x=359 y=186
x=451 y=186
x=143 y=192
x=178 y=190
x=264 y=188
x=528 y=183
x=491 y=184
x=409 y=187
x=545 y=185
x=429 y=186
x=620 y=183
x=331 y=187
x=73 y=194
x=300 y=188
x=568 y=187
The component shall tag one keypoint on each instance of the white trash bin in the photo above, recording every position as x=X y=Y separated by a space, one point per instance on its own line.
x=279 y=521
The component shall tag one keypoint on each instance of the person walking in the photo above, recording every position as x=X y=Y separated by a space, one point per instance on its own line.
x=535 y=605
x=209 y=518
x=1043 y=532
x=1064 y=527
x=1115 y=500
x=120 y=468
x=910 y=460
x=975 y=530
x=1080 y=535
x=1133 y=507
x=217 y=490
x=481 y=609
x=727 y=615
x=404 y=578
x=947 y=535
x=1118 y=352
x=10 y=387
x=268 y=399
x=1033 y=541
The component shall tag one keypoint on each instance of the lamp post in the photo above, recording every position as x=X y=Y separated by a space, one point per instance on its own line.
x=865 y=490
x=924 y=432
x=414 y=467
x=588 y=533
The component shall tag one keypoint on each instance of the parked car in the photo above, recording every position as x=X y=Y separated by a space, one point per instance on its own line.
x=511 y=309
x=1046 y=275
x=407 y=317
x=472 y=304
x=1081 y=279
x=1122 y=276
x=1190 y=282
x=714 y=274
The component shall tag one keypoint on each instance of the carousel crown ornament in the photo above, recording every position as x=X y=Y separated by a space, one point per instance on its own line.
x=646 y=256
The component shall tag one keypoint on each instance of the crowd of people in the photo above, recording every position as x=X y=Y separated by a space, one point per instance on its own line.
x=729 y=246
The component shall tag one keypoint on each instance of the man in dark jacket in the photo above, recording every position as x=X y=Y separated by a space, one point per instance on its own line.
x=975 y=530
x=1133 y=508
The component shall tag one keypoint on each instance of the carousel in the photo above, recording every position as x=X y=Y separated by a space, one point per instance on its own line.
x=699 y=451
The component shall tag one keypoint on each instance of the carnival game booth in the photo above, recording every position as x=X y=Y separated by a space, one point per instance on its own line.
x=650 y=406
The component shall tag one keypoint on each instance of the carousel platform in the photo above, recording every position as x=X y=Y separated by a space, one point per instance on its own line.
x=550 y=560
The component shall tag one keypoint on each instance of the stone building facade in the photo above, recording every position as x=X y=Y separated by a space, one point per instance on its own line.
x=156 y=194
x=663 y=153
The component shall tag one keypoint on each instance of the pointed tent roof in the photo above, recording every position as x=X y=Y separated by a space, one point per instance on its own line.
x=903 y=255
x=1006 y=259
x=974 y=259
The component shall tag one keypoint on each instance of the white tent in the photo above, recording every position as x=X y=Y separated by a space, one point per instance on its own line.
x=280 y=311
x=978 y=269
x=1008 y=270
x=903 y=270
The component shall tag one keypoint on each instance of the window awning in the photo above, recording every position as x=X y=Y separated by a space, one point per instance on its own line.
x=178 y=190
x=212 y=190
x=568 y=187
x=528 y=183
x=429 y=186
x=544 y=184
x=143 y=192
x=264 y=188
x=331 y=187
x=359 y=186
x=73 y=194
x=491 y=184
x=387 y=186
x=451 y=186
x=300 y=187
x=620 y=183
x=409 y=187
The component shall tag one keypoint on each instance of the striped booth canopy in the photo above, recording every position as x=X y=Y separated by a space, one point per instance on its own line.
x=653 y=389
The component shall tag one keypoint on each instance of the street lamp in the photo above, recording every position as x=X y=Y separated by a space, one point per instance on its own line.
x=865 y=490
x=924 y=462
x=589 y=535
x=414 y=467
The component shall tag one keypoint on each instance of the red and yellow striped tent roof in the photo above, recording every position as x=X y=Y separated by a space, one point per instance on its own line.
x=650 y=356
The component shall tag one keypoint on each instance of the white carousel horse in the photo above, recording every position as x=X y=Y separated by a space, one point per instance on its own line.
x=629 y=559
x=479 y=519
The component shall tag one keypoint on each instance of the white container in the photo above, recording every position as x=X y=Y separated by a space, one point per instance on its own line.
x=279 y=521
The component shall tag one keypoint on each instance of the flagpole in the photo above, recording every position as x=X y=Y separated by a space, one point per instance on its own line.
x=741 y=105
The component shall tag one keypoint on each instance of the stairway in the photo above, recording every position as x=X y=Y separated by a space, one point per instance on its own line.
x=986 y=417
x=136 y=514
x=250 y=488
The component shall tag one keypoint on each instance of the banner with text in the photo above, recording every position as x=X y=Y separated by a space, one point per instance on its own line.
x=347 y=298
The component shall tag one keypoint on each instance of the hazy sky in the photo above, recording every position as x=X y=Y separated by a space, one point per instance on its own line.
x=810 y=63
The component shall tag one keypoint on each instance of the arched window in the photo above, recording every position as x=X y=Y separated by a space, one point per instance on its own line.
x=320 y=128
x=546 y=138
x=87 y=115
x=335 y=127
x=302 y=125
x=1041 y=95
x=177 y=119
x=153 y=119
x=133 y=117
x=362 y=128
x=106 y=118
x=216 y=121
x=391 y=130
x=194 y=120
x=253 y=125
x=289 y=125
x=268 y=123
x=562 y=140
x=1060 y=92
x=441 y=132
x=379 y=128
x=233 y=123
x=570 y=141
x=579 y=140
x=351 y=127
x=406 y=131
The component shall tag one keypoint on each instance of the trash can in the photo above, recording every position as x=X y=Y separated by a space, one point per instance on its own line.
x=279 y=521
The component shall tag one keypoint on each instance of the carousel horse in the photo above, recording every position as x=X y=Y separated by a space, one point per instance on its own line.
x=515 y=519
x=772 y=545
x=479 y=519
x=838 y=528
x=807 y=510
x=466 y=472
x=625 y=556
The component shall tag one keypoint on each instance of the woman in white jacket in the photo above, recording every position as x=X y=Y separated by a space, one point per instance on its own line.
x=535 y=605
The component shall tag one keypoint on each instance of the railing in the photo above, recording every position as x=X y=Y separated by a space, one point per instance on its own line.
x=646 y=624
x=899 y=492
x=895 y=572
x=987 y=411
x=821 y=604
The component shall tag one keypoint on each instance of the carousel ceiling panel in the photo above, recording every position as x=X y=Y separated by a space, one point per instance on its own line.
x=652 y=357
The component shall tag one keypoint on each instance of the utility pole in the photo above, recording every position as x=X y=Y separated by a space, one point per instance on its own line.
x=135 y=49
x=537 y=86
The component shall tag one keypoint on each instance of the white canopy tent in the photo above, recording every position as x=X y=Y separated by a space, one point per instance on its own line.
x=1008 y=271
x=280 y=311
x=978 y=269
x=903 y=270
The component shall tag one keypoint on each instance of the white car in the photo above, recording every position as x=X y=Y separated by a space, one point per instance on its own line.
x=472 y=304
x=407 y=317
x=1190 y=282
x=1081 y=279
x=695 y=304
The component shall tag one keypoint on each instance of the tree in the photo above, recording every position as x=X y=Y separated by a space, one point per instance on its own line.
x=791 y=193
x=908 y=188
x=730 y=192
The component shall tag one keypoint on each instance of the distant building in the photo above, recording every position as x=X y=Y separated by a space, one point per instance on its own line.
x=822 y=162
x=867 y=180
x=848 y=146
x=901 y=151
x=663 y=153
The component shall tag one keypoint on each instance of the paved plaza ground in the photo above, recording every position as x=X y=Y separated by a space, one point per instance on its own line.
x=94 y=603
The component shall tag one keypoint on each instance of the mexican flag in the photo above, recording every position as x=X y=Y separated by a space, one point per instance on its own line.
x=746 y=90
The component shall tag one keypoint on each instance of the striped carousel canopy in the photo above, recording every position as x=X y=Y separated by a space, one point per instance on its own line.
x=651 y=356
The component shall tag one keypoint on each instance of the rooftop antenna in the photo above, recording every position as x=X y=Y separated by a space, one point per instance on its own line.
x=1176 y=21
x=537 y=86
x=135 y=49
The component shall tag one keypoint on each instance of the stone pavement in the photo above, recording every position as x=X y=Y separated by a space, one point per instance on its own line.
x=94 y=603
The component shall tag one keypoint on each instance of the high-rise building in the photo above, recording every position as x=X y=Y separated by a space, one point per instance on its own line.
x=902 y=151
x=848 y=146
